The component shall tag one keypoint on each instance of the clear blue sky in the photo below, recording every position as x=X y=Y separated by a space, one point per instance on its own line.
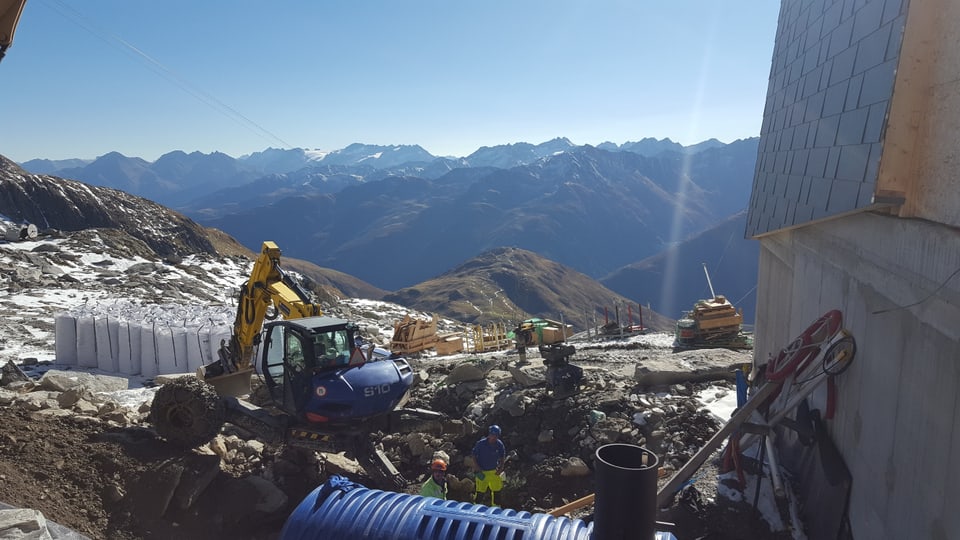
x=145 y=78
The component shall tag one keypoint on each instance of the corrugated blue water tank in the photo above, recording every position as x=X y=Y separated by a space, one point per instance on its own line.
x=342 y=510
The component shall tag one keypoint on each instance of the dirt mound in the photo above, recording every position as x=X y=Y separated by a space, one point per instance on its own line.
x=107 y=482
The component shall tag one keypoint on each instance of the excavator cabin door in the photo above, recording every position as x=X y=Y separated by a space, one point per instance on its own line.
x=287 y=365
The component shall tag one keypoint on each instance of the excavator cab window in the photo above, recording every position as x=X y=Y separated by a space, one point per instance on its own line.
x=294 y=352
x=332 y=348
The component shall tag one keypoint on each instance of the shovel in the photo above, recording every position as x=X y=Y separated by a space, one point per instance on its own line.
x=511 y=455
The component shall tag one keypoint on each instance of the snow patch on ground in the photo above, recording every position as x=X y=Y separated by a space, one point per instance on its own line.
x=719 y=400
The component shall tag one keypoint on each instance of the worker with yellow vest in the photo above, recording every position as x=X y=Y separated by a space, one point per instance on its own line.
x=436 y=485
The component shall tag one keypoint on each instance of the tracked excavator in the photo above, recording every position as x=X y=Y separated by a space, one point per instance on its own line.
x=328 y=390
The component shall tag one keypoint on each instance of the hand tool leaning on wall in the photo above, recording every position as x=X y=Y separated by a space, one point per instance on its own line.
x=820 y=353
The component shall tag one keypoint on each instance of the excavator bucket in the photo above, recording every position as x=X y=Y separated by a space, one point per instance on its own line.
x=234 y=384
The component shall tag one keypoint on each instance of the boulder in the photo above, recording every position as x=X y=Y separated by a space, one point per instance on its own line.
x=686 y=367
x=252 y=448
x=218 y=446
x=342 y=465
x=416 y=444
x=7 y=396
x=514 y=404
x=69 y=397
x=192 y=486
x=574 y=466
x=61 y=381
x=12 y=373
x=37 y=400
x=528 y=376
x=85 y=407
x=466 y=373
x=270 y=499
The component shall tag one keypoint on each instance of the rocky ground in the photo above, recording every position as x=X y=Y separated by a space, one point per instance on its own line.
x=95 y=467
x=77 y=450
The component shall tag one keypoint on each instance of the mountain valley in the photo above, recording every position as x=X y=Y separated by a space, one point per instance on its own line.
x=378 y=216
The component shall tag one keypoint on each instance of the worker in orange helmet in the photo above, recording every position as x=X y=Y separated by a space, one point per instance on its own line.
x=436 y=485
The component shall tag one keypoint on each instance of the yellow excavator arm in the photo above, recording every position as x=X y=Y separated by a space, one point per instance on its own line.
x=10 y=11
x=267 y=294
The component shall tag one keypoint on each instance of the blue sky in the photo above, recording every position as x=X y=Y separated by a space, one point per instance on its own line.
x=146 y=78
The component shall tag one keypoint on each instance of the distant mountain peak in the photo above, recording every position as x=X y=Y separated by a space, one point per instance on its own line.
x=112 y=156
x=378 y=156
x=510 y=283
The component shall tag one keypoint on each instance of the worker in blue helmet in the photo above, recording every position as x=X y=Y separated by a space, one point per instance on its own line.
x=489 y=454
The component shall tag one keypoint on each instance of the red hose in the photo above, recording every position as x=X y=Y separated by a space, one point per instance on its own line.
x=831 y=398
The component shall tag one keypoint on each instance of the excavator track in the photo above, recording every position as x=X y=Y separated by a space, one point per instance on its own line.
x=187 y=412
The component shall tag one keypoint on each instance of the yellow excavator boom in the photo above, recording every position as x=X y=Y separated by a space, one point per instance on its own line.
x=10 y=11
x=267 y=294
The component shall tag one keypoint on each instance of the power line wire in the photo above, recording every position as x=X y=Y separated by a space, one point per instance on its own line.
x=918 y=302
x=157 y=67
x=745 y=295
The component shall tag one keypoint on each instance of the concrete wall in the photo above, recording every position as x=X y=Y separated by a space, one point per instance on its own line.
x=898 y=416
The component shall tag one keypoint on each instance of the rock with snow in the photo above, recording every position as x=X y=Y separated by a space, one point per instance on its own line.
x=60 y=381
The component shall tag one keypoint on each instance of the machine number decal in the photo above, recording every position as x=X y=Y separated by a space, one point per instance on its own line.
x=321 y=391
x=378 y=390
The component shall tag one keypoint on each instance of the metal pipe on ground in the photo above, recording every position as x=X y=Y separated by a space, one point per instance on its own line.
x=774 y=467
x=626 y=498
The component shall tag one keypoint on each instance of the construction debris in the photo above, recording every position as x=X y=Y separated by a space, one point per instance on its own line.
x=712 y=323
x=616 y=329
x=491 y=338
x=21 y=232
x=412 y=335
x=562 y=377
x=535 y=332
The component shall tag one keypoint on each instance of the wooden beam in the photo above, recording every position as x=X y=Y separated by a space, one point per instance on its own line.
x=741 y=416
x=575 y=505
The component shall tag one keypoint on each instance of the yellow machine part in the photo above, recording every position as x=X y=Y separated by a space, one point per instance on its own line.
x=265 y=289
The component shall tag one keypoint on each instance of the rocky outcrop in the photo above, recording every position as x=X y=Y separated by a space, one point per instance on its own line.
x=56 y=203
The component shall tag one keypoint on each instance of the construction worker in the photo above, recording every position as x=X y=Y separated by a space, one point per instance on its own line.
x=522 y=335
x=436 y=485
x=488 y=455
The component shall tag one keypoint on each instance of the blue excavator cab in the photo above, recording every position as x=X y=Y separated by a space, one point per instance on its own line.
x=318 y=371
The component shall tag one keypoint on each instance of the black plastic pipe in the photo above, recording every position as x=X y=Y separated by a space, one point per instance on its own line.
x=625 y=507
